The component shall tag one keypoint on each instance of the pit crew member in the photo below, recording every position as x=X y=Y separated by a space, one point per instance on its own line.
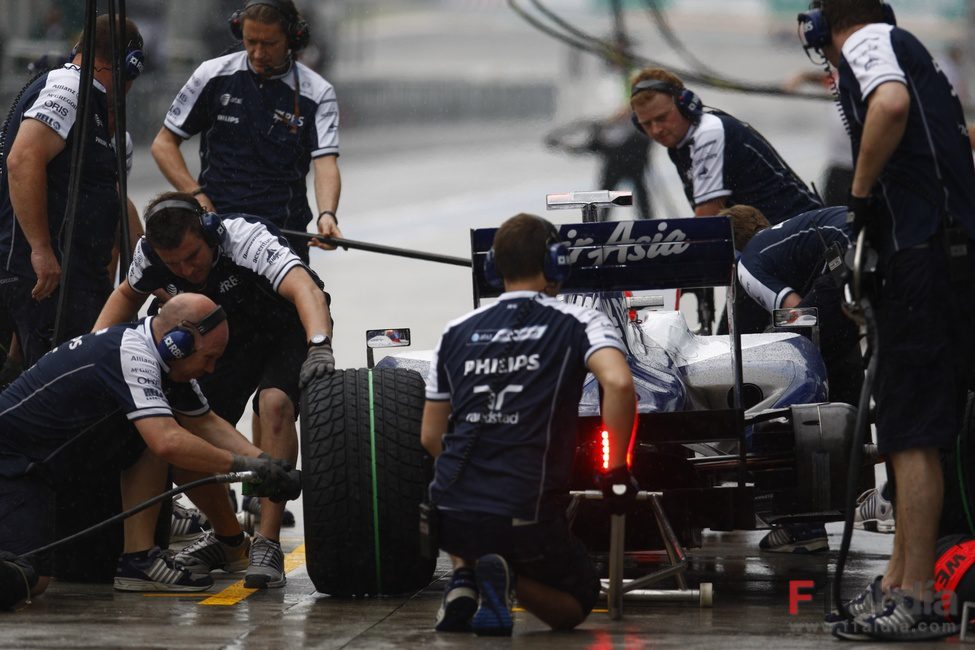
x=914 y=192
x=500 y=417
x=721 y=161
x=263 y=118
x=39 y=135
x=280 y=329
x=94 y=391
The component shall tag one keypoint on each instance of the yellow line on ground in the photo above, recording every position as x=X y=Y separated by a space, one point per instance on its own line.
x=238 y=592
x=176 y=595
x=595 y=611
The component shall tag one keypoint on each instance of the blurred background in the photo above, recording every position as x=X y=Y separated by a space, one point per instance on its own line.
x=459 y=113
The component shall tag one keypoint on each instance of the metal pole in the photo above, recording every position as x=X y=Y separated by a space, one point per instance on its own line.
x=380 y=248
x=77 y=164
x=119 y=47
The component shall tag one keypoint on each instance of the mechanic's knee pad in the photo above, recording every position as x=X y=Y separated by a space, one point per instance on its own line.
x=17 y=578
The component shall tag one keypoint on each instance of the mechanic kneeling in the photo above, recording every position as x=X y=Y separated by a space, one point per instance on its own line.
x=280 y=329
x=500 y=417
x=98 y=386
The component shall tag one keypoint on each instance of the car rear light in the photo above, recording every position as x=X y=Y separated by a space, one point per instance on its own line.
x=603 y=450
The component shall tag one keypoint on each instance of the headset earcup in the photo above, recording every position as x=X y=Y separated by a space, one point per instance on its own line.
x=213 y=229
x=176 y=344
x=300 y=36
x=491 y=275
x=557 y=264
x=234 y=22
x=689 y=104
x=134 y=62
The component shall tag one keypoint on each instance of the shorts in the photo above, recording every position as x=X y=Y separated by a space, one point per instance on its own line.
x=924 y=351
x=545 y=551
x=34 y=321
x=27 y=519
x=271 y=359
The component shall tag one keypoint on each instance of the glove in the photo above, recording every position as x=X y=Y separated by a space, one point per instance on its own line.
x=320 y=361
x=275 y=477
x=619 y=489
x=862 y=212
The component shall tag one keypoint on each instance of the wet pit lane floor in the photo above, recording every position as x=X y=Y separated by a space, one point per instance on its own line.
x=751 y=609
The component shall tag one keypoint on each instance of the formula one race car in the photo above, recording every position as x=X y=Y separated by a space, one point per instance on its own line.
x=734 y=431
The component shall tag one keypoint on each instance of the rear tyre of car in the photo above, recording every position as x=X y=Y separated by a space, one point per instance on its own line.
x=958 y=511
x=364 y=474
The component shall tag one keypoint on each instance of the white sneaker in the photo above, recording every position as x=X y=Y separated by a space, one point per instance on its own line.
x=874 y=512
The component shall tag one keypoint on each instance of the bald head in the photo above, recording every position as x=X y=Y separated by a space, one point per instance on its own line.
x=190 y=310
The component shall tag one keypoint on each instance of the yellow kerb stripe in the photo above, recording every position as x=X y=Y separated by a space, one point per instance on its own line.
x=238 y=592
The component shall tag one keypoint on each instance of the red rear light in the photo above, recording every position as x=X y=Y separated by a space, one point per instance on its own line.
x=603 y=452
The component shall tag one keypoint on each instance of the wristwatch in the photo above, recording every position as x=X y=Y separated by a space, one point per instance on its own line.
x=319 y=339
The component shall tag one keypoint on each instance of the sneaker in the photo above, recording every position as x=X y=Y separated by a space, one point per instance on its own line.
x=188 y=523
x=796 y=538
x=494 y=584
x=902 y=619
x=874 y=512
x=868 y=602
x=266 y=569
x=459 y=602
x=208 y=553
x=158 y=571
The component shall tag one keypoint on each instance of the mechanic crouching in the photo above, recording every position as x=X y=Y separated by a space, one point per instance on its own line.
x=500 y=417
x=85 y=395
x=280 y=329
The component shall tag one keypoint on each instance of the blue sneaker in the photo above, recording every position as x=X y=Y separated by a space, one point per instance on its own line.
x=459 y=602
x=494 y=583
x=796 y=538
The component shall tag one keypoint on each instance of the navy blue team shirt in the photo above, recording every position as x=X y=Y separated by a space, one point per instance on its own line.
x=930 y=174
x=722 y=157
x=52 y=99
x=520 y=399
x=788 y=256
x=81 y=381
x=251 y=161
x=250 y=262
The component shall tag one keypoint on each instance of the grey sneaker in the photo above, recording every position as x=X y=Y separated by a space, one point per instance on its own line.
x=188 y=523
x=266 y=570
x=208 y=553
x=874 y=512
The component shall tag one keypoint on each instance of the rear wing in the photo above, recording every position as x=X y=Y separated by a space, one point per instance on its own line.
x=632 y=255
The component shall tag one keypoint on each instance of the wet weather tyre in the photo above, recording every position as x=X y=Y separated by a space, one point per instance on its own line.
x=361 y=429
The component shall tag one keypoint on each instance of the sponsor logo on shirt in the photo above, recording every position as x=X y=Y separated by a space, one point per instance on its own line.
x=228 y=118
x=154 y=394
x=50 y=121
x=493 y=366
x=227 y=98
x=228 y=284
x=503 y=335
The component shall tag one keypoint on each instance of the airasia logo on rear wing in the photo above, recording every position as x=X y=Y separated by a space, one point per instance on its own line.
x=622 y=247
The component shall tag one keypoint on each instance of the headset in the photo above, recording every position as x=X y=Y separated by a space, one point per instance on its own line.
x=686 y=100
x=296 y=28
x=814 y=30
x=135 y=58
x=210 y=223
x=178 y=344
x=555 y=263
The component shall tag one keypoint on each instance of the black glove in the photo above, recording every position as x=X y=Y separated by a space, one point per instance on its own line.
x=619 y=489
x=275 y=477
x=862 y=212
x=320 y=361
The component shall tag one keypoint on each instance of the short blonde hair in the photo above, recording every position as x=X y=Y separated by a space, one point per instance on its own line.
x=658 y=74
x=746 y=222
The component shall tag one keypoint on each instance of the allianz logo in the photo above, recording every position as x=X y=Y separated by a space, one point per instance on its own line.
x=621 y=246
